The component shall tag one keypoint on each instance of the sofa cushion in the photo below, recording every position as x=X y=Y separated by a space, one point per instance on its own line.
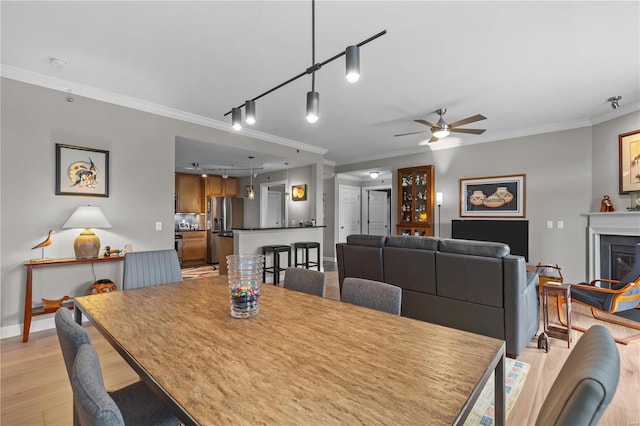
x=474 y=279
x=410 y=269
x=412 y=242
x=366 y=240
x=474 y=248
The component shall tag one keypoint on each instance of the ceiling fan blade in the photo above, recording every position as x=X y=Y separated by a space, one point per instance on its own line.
x=472 y=131
x=413 y=133
x=433 y=139
x=468 y=120
x=426 y=123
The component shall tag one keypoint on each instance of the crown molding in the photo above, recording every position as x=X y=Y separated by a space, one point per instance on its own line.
x=69 y=87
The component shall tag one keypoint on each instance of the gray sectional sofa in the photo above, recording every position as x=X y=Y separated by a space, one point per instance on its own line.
x=475 y=286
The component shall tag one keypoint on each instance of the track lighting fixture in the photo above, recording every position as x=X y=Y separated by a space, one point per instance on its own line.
x=614 y=101
x=352 y=63
x=225 y=175
x=250 y=112
x=374 y=175
x=236 y=119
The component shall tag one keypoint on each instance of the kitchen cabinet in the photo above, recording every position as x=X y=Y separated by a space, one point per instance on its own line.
x=416 y=200
x=217 y=186
x=189 y=193
x=194 y=248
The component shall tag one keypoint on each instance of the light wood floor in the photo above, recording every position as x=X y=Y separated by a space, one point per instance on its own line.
x=35 y=388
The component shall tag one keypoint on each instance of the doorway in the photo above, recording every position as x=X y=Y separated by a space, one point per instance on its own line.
x=349 y=206
x=377 y=211
x=273 y=209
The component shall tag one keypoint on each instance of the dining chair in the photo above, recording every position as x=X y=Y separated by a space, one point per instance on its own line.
x=97 y=407
x=136 y=401
x=305 y=280
x=586 y=383
x=149 y=268
x=372 y=294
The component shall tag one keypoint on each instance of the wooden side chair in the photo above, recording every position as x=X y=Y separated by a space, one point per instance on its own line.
x=372 y=294
x=305 y=280
x=149 y=268
x=620 y=296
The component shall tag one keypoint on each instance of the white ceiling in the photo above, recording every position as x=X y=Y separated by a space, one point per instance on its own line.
x=529 y=67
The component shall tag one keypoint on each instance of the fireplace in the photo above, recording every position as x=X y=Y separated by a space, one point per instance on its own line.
x=617 y=255
x=612 y=237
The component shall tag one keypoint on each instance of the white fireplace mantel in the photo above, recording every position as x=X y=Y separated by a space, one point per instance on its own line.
x=613 y=223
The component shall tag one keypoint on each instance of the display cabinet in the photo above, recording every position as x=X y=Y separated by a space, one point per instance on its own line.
x=416 y=201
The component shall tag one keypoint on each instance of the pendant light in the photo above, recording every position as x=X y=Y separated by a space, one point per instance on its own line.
x=252 y=193
x=236 y=119
x=286 y=185
x=250 y=112
x=352 y=63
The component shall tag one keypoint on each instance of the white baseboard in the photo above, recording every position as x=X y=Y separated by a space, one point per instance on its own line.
x=39 y=325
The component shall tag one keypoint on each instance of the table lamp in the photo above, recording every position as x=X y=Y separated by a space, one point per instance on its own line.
x=87 y=245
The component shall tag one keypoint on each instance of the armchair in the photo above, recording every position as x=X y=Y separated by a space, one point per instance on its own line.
x=620 y=296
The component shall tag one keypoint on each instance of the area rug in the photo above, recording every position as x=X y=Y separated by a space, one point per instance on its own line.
x=199 y=272
x=483 y=412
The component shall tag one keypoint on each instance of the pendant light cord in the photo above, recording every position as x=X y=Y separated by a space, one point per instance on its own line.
x=313 y=45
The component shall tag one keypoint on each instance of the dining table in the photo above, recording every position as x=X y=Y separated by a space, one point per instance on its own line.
x=302 y=359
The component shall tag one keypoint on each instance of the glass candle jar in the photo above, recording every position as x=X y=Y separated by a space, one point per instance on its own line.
x=245 y=282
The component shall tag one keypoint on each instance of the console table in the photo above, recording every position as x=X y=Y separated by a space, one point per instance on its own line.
x=29 y=311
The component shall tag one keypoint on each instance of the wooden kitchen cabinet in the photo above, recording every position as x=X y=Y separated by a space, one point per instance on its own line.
x=189 y=193
x=416 y=201
x=217 y=186
x=194 y=248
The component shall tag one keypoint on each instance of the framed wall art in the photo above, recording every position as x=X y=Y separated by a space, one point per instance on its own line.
x=629 y=154
x=299 y=192
x=82 y=171
x=493 y=196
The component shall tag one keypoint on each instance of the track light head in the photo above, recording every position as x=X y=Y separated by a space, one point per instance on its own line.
x=313 y=106
x=352 y=63
x=250 y=112
x=614 y=101
x=236 y=119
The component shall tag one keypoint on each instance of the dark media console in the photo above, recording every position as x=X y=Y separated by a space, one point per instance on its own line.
x=515 y=233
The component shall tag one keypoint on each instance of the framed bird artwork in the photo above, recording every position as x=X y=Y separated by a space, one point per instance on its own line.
x=82 y=171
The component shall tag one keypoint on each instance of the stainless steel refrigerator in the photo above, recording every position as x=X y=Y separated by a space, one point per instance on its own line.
x=223 y=213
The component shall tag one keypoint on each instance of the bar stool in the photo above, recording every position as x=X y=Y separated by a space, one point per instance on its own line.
x=306 y=245
x=275 y=268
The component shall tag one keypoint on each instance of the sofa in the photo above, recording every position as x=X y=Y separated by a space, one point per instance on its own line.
x=474 y=286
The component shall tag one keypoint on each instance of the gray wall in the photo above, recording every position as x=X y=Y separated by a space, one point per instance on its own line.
x=567 y=173
x=141 y=147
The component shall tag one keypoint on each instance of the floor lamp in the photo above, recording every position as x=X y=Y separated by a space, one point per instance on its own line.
x=439 y=197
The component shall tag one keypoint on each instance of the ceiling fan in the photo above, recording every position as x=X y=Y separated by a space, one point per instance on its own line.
x=442 y=128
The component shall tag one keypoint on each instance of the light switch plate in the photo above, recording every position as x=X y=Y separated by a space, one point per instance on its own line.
x=560 y=224
x=158 y=226
x=550 y=224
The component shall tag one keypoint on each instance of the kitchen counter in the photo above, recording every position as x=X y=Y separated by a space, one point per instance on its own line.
x=251 y=240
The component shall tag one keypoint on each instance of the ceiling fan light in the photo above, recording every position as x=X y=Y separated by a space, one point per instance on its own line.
x=440 y=133
x=352 y=63
x=313 y=106
x=374 y=175
x=250 y=112
x=236 y=119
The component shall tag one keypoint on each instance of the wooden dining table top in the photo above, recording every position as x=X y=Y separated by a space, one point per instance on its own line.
x=302 y=360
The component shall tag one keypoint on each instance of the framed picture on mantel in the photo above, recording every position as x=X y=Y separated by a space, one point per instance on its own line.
x=629 y=154
x=82 y=171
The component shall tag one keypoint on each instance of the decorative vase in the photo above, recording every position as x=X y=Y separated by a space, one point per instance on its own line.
x=504 y=193
x=477 y=198
x=245 y=283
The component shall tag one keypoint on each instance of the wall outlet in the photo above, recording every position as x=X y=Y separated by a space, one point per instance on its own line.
x=158 y=226
x=560 y=224
x=550 y=224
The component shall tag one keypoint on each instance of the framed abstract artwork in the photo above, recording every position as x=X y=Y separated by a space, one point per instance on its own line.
x=82 y=171
x=493 y=196
x=629 y=155
x=299 y=192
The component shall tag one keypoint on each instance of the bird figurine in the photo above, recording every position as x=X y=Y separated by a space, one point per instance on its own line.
x=45 y=243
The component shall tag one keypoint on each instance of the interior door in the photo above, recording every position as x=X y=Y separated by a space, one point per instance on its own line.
x=274 y=209
x=378 y=213
x=349 y=219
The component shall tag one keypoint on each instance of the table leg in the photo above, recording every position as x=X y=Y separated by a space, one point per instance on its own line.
x=27 y=304
x=499 y=393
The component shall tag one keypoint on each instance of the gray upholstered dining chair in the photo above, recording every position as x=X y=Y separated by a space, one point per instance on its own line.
x=372 y=294
x=305 y=280
x=586 y=383
x=136 y=402
x=149 y=268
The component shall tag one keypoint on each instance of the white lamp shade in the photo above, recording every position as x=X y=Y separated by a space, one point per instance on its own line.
x=87 y=217
x=439 y=197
